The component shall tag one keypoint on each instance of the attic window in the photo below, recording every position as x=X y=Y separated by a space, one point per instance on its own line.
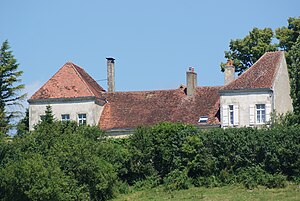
x=203 y=119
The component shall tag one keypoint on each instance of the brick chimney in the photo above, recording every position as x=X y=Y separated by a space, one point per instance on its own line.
x=110 y=74
x=229 y=72
x=191 y=81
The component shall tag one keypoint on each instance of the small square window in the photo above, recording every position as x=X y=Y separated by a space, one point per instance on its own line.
x=65 y=117
x=82 y=119
x=203 y=119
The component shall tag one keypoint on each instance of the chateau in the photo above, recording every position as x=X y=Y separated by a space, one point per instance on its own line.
x=247 y=100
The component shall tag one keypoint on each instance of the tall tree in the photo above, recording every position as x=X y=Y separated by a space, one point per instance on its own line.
x=245 y=52
x=288 y=36
x=9 y=87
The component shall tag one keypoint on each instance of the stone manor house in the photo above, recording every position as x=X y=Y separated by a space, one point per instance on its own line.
x=247 y=100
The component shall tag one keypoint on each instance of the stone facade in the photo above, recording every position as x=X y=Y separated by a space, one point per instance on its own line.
x=70 y=107
x=244 y=106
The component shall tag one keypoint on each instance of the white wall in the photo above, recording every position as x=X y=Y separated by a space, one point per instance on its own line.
x=244 y=100
x=281 y=85
x=88 y=107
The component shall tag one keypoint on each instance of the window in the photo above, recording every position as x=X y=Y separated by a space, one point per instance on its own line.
x=203 y=119
x=261 y=113
x=231 y=115
x=82 y=119
x=65 y=117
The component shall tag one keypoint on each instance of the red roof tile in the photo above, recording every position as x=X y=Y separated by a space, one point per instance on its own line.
x=70 y=81
x=132 y=109
x=260 y=75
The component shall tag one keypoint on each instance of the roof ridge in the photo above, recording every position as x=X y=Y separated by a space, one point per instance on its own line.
x=75 y=68
x=159 y=90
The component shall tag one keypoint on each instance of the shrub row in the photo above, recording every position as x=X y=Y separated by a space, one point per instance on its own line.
x=170 y=152
x=63 y=161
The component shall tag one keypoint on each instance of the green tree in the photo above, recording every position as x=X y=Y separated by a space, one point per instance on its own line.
x=9 y=87
x=294 y=71
x=245 y=52
x=56 y=161
x=23 y=125
x=48 y=117
x=288 y=36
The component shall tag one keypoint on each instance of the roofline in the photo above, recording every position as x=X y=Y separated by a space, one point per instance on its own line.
x=63 y=99
x=222 y=91
x=80 y=76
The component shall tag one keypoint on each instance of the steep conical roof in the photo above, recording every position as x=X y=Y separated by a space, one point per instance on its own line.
x=70 y=81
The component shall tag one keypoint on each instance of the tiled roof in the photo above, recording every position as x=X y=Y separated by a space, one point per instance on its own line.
x=260 y=75
x=132 y=109
x=70 y=81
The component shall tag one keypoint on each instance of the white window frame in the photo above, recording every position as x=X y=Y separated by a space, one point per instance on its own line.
x=260 y=113
x=63 y=117
x=230 y=115
x=82 y=119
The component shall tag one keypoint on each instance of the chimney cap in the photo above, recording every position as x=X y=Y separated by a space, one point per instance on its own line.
x=229 y=62
x=110 y=58
x=191 y=69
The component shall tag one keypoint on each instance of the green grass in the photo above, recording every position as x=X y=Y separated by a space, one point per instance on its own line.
x=235 y=193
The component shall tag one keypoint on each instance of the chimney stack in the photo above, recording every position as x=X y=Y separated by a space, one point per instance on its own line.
x=229 y=72
x=191 y=81
x=110 y=74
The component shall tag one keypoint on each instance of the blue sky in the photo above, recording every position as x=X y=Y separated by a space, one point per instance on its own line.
x=153 y=42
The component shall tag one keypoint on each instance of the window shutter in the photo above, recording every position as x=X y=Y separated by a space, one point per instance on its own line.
x=225 y=115
x=236 y=115
x=252 y=115
x=268 y=112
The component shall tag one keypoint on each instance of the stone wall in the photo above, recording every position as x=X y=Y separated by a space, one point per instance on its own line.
x=73 y=108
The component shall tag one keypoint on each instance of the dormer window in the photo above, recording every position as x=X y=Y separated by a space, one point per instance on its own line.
x=203 y=119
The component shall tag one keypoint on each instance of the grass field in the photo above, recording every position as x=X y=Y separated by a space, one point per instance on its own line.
x=235 y=193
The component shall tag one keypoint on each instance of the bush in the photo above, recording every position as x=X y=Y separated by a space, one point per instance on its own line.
x=275 y=181
x=147 y=183
x=217 y=156
x=57 y=161
x=177 y=180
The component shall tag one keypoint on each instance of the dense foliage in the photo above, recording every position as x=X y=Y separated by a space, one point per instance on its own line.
x=64 y=161
x=57 y=161
x=175 y=154
x=245 y=52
